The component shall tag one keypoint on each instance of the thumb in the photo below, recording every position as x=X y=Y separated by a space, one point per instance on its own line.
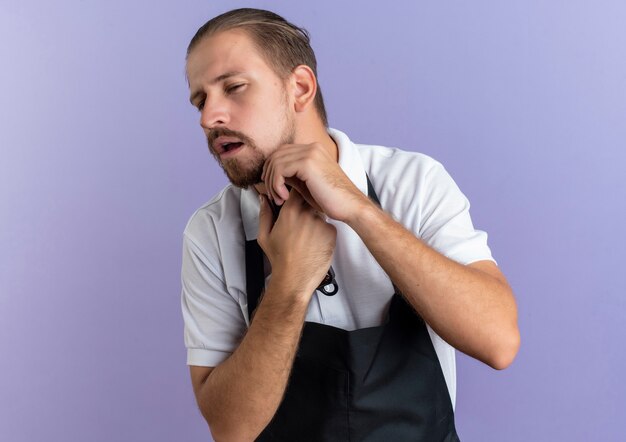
x=265 y=219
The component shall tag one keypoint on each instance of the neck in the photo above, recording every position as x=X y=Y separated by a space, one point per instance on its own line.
x=317 y=134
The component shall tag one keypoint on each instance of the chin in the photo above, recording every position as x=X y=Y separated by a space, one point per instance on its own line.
x=244 y=178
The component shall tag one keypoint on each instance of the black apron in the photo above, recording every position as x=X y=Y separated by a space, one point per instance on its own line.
x=380 y=383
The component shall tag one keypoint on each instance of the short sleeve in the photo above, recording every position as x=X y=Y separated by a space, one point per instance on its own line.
x=213 y=321
x=445 y=222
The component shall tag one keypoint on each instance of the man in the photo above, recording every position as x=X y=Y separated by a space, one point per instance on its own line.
x=275 y=355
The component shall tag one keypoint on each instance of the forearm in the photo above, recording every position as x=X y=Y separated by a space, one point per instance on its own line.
x=470 y=309
x=242 y=394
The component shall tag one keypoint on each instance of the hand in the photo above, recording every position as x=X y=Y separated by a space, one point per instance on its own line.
x=299 y=244
x=311 y=170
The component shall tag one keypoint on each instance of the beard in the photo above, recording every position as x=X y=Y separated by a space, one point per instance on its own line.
x=246 y=175
x=247 y=172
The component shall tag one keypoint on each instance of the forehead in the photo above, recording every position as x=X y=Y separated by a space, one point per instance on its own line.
x=226 y=51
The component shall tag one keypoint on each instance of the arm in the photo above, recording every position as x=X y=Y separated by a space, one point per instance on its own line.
x=252 y=381
x=471 y=307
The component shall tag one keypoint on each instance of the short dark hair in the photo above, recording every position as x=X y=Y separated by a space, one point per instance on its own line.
x=282 y=44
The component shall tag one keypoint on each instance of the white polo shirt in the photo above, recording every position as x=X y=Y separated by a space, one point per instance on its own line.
x=412 y=187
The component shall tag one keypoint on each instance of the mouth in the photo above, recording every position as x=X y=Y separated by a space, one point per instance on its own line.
x=226 y=147
x=230 y=149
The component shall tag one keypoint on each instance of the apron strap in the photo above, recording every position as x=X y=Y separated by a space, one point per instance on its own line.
x=255 y=275
x=371 y=193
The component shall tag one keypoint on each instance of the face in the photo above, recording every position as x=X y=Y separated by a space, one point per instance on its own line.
x=244 y=106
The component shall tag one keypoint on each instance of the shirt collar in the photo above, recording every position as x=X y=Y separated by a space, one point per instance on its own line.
x=349 y=161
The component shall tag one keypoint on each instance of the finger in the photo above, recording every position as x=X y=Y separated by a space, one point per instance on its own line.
x=265 y=166
x=279 y=187
x=266 y=219
x=277 y=174
x=275 y=197
x=269 y=183
x=283 y=163
x=266 y=178
x=266 y=174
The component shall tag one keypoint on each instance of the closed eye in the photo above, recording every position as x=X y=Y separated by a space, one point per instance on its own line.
x=229 y=90
x=234 y=88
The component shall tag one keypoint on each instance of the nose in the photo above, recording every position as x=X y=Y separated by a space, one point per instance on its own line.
x=214 y=113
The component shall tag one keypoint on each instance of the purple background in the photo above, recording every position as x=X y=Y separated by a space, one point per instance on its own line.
x=102 y=162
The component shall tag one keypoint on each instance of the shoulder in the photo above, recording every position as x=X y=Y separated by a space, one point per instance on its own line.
x=395 y=165
x=400 y=177
x=217 y=218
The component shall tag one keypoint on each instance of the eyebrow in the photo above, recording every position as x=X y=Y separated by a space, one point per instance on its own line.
x=215 y=80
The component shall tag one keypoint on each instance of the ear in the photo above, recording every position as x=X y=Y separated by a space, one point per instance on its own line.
x=304 y=87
